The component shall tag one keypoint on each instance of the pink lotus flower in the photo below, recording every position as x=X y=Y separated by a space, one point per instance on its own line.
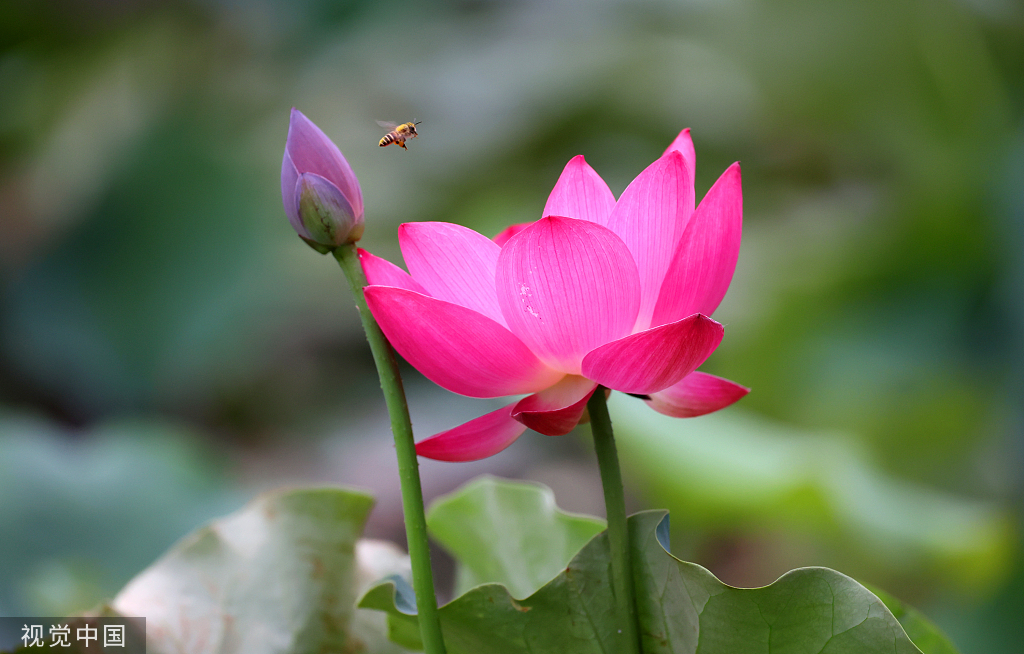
x=321 y=194
x=596 y=292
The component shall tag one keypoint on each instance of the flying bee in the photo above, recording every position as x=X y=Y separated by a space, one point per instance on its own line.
x=398 y=133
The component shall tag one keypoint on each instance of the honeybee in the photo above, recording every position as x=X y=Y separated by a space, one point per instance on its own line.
x=398 y=133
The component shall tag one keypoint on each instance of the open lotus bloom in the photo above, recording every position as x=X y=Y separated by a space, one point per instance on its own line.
x=597 y=292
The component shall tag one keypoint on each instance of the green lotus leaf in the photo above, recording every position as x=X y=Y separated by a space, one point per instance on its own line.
x=921 y=630
x=507 y=532
x=682 y=607
x=279 y=576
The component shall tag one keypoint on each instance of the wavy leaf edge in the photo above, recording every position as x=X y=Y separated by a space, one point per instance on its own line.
x=644 y=527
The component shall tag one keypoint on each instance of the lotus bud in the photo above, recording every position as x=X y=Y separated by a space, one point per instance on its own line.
x=321 y=194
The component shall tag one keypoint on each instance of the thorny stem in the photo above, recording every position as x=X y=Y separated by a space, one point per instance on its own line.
x=408 y=466
x=618 y=531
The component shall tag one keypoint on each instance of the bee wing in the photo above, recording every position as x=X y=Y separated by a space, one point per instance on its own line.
x=387 y=124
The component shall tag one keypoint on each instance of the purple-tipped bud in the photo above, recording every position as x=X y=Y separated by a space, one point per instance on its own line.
x=320 y=192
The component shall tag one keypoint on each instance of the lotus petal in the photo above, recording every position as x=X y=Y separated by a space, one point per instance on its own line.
x=289 y=195
x=502 y=237
x=650 y=217
x=325 y=214
x=555 y=410
x=310 y=151
x=684 y=145
x=695 y=395
x=567 y=286
x=580 y=193
x=453 y=263
x=381 y=272
x=654 y=359
x=477 y=439
x=705 y=260
x=455 y=347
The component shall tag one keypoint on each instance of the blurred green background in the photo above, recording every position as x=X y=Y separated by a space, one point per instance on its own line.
x=168 y=347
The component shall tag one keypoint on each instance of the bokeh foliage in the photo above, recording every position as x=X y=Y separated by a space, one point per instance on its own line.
x=147 y=271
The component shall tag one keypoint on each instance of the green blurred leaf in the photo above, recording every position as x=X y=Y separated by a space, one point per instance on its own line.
x=921 y=630
x=729 y=468
x=509 y=533
x=681 y=605
x=281 y=575
x=67 y=497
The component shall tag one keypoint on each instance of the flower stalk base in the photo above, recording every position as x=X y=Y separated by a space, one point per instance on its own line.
x=623 y=586
x=408 y=466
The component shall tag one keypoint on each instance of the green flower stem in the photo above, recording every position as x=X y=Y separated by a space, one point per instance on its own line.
x=618 y=533
x=408 y=466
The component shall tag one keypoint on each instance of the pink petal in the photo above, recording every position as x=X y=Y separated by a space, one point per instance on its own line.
x=580 y=193
x=651 y=360
x=697 y=394
x=555 y=411
x=504 y=235
x=453 y=263
x=684 y=145
x=650 y=217
x=477 y=439
x=565 y=287
x=325 y=214
x=289 y=176
x=381 y=272
x=705 y=260
x=312 y=152
x=455 y=347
